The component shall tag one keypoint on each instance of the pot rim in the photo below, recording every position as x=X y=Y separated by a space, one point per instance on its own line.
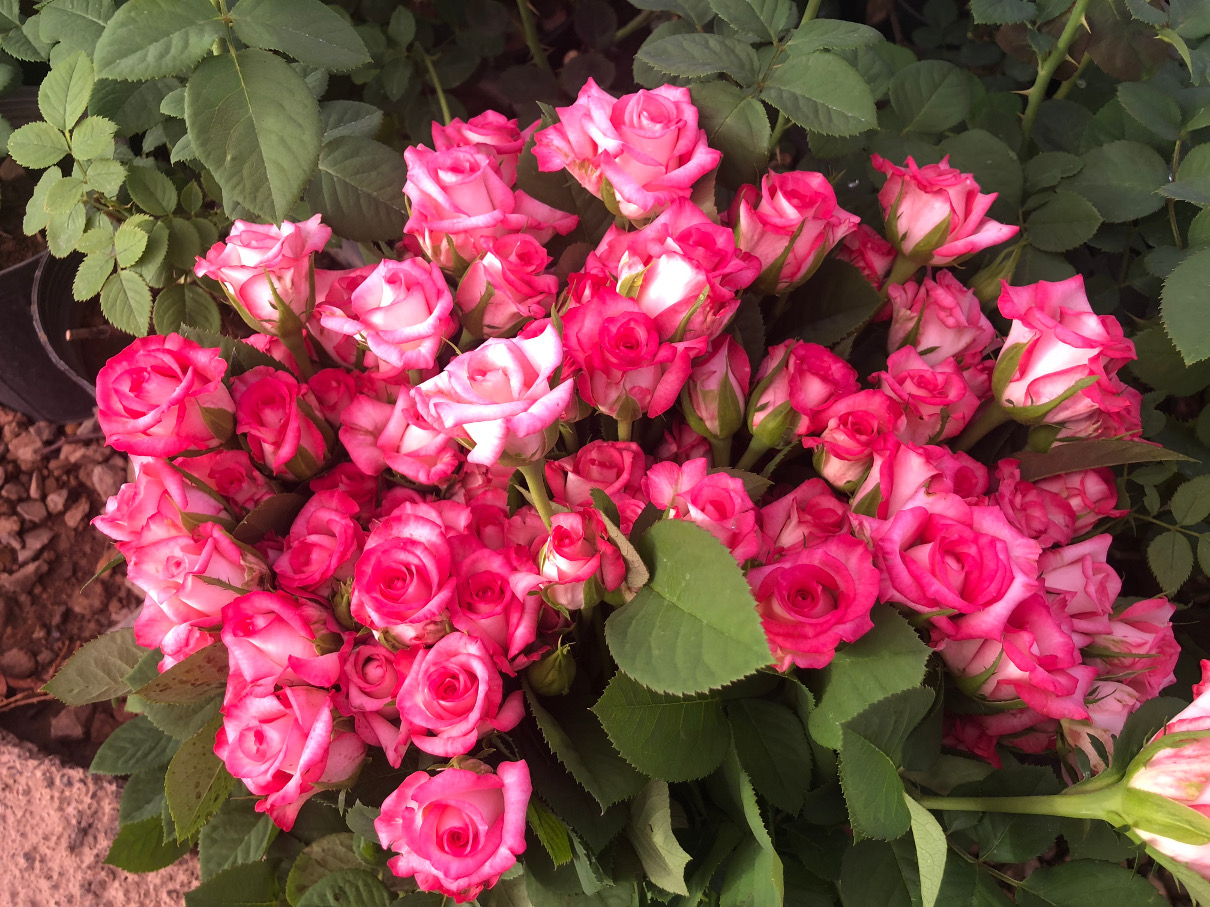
x=40 y=330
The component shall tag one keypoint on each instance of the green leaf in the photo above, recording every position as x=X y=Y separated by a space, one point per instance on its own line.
x=930 y=96
x=871 y=873
x=833 y=304
x=143 y=797
x=184 y=244
x=931 y=850
x=350 y=117
x=347 y=888
x=650 y=832
x=359 y=189
x=833 y=34
x=151 y=190
x=197 y=782
x=699 y=54
x=694 y=627
x=1145 y=12
x=178 y=721
x=198 y=677
x=1086 y=883
x=762 y=19
x=255 y=126
x=75 y=24
x=148 y=39
x=1153 y=108
x=240 y=356
x=822 y=93
x=754 y=876
x=37 y=145
x=92 y=139
x=1121 y=179
x=1007 y=838
x=773 y=749
x=64 y=195
x=1048 y=168
x=872 y=789
x=1071 y=456
x=247 y=885
x=666 y=737
x=129 y=242
x=1002 y=12
x=889 y=722
x=888 y=659
x=151 y=265
x=134 y=106
x=64 y=93
x=185 y=304
x=140 y=847
x=551 y=832
x=132 y=747
x=96 y=670
x=64 y=231
x=1182 y=306
x=402 y=27
x=994 y=164
x=235 y=835
x=307 y=30
x=1191 y=501
x=736 y=125
x=90 y=277
x=1170 y=557
x=126 y=302
x=1064 y=222
x=330 y=853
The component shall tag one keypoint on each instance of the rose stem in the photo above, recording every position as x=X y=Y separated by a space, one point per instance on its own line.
x=721 y=449
x=535 y=479
x=531 y=37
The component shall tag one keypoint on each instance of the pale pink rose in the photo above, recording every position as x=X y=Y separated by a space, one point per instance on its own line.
x=487 y=608
x=909 y=475
x=401 y=310
x=461 y=200
x=277 y=416
x=275 y=348
x=867 y=251
x=334 y=296
x=1040 y=514
x=163 y=395
x=941 y=318
x=283 y=745
x=167 y=554
x=935 y=214
x=717 y=502
x=231 y=474
x=453 y=695
x=1139 y=647
x=323 y=545
x=273 y=638
x=404 y=580
x=1109 y=705
x=500 y=397
x=381 y=435
x=348 y=479
x=579 y=554
x=844 y=450
x=615 y=467
x=805 y=517
x=159 y=489
x=258 y=260
x=681 y=444
x=814 y=598
x=1059 y=353
x=370 y=680
x=1032 y=657
x=333 y=389
x=492 y=134
x=458 y=832
x=640 y=152
x=506 y=287
x=795 y=385
x=1113 y=411
x=790 y=224
x=1083 y=583
x=937 y=401
x=1091 y=493
x=714 y=395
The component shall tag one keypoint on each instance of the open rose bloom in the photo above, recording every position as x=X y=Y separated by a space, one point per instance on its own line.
x=459 y=476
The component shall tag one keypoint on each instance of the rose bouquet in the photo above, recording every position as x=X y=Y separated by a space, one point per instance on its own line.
x=453 y=587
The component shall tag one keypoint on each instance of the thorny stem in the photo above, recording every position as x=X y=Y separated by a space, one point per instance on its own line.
x=1068 y=84
x=428 y=64
x=756 y=449
x=1176 y=160
x=1170 y=526
x=531 y=37
x=535 y=479
x=1046 y=68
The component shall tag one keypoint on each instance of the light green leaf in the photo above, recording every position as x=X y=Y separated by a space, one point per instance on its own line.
x=90 y=277
x=246 y=885
x=350 y=117
x=140 y=847
x=1156 y=110
x=551 y=832
x=64 y=231
x=822 y=93
x=132 y=747
x=185 y=304
x=126 y=302
x=37 y=145
x=930 y=96
x=64 y=93
x=1183 y=306
x=694 y=627
x=307 y=30
x=736 y=125
x=1121 y=179
x=151 y=190
x=762 y=19
x=97 y=239
x=235 y=835
x=1170 y=557
x=255 y=126
x=93 y=139
x=152 y=265
x=197 y=782
x=931 y=851
x=773 y=749
x=129 y=242
x=699 y=54
x=833 y=34
x=1087 y=883
x=666 y=737
x=74 y=24
x=650 y=831
x=1002 y=12
x=36 y=215
x=64 y=195
x=24 y=44
x=348 y=888
x=1064 y=222
x=105 y=176
x=149 y=39
x=359 y=189
x=96 y=670
x=1191 y=501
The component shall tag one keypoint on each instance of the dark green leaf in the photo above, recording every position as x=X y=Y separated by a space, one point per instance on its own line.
x=95 y=672
x=142 y=797
x=140 y=847
x=1156 y=110
x=1170 y=557
x=359 y=189
x=930 y=96
x=247 y=885
x=199 y=677
x=1121 y=179
x=762 y=19
x=1002 y=12
x=1063 y=222
x=650 y=832
x=185 y=304
x=307 y=30
x=1009 y=838
x=834 y=303
x=1071 y=456
x=133 y=746
x=773 y=749
x=197 y=782
x=1183 y=306
x=833 y=34
x=147 y=39
x=239 y=356
x=330 y=853
x=1046 y=169
x=822 y=93
x=695 y=55
x=346 y=888
x=350 y=117
x=151 y=190
x=1191 y=501
x=736 y=125
x=1087 y=883
x=235 y=835
x=872 y=789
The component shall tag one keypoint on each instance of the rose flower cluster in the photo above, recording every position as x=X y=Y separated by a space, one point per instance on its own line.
x=396 y=407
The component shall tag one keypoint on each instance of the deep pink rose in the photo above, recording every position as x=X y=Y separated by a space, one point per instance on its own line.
x=230 y=474
x=639 y=152
x=1114 y=411
x=323 y=545
x=1083 y=583
x=1092 y=494
x=283 y=745
x=274 y=638
x=334 y=296
x=790 y=224
x=717 y=502
x=937 y=401
x=499 y=396
x=714 y=395
x=805 y=517
x=492 y=134
x=579 y=554
x=867 y=251
x=333 y=389
x=1040 y=514
x=453 y=695
x=941 y=318
x=458 y=832
x=1022 y=729
x=381 y=435
x=814 y=598
x=487 y=608
x=158 y=490
x=681 y=444
x=163 y=395
x=795 y=385
x=506 y=286
x=461 y=200
x=1139 y=648
x=277 y=416
x=615 y=467
x=348 y=479
x=909 y=475
x=370 y=680
x=258 y=259
x=935 y=215
x=853 y=426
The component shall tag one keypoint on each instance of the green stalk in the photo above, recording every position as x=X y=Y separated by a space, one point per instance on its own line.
x=633 y=25
x=625 y=427
x=1047 y=67
x=531 y=37
x=811 y=11
x=536 y=480
x=428 y=64
x=994 y=415
x=721 y=451
x=1093 y=805
x=1176 y=160
x=756 y=449
x=902 y=270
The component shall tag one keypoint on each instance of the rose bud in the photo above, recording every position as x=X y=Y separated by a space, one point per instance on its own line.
x=492 y=134
x=844 y=451
x=578 y=560
x=867 y=251
x=713 y=397
x=506 y=287
x=941 y=318
x=795 y=385
x=553 y=674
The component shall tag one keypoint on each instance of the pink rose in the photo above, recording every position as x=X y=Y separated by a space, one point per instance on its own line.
x=1139 y=648
x=867 y=251
x=283 y=745
x=1023 y=729
x=1086 y=586
x=487 y=608
x=490 y=133
x=795 y=385
x=461 y=200
x=908 y=475
x=1109 y=705
x=577 y=555
x=844 y=451
x=348 y=479
x=1113 y=411
x=1040 y=514
x=370 y=680
x=790 y=224
x=163 y=395
x=401 y=311
x=716 y=502
x=334 y=296
x=714 y=395
x=815 y=598
x=381 y=435
x=458 y=832
x=231 y=475
x=273 y=638
x=936 y=399
x=500 y=397
x=453 y=695
x=333 y=389
x=158 y=490
x=639 y=153
x=323 y=545
x=615 y=467
x=941 y=318
x=276 y=414
x=1091 y=493
x=935 y=215
x=506 y=286
x=681 y=444
x=803 y=518
x=258 y=260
